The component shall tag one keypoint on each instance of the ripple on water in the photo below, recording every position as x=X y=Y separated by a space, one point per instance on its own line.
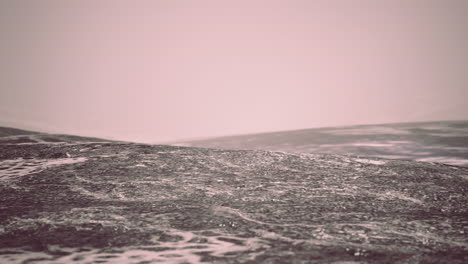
x=15 y=168
x=189 y=249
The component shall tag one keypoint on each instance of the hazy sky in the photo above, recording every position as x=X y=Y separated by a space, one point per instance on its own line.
x=158 y=71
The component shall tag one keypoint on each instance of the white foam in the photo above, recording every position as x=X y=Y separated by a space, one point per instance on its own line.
x=369 y=161
x=186 y=250
x=20 y=167
x=371 y=144
x=372 y=130
x=391 y=195
x=20 y=256
x=446 y=160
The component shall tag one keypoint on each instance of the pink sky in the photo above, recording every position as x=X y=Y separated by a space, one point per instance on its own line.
x=158 y=71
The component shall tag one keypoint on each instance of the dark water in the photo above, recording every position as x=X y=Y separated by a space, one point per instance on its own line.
x=444 y=142
x=76 y=202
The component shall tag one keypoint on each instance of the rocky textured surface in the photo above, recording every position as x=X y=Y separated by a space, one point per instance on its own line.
x=444 y=141
x=112 y=202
